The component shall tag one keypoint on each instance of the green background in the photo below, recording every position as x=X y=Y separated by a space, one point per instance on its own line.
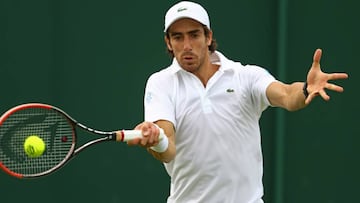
x=92 y=58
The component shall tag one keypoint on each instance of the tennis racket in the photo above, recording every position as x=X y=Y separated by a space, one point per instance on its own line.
x=58 y=131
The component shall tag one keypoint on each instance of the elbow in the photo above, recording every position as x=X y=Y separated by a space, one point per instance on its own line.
x=167 y=160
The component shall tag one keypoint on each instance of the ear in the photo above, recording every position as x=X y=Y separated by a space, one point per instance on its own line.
x=167 y=42
x=209 y=38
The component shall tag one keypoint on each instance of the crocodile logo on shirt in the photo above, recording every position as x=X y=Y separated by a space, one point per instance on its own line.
x=230 y=90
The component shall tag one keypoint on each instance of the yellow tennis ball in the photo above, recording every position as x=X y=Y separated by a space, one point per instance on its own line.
x=34 y=146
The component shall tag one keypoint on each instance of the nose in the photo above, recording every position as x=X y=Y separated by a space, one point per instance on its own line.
x=187 y=44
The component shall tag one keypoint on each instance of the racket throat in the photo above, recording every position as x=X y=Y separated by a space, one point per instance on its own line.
x=111 y=137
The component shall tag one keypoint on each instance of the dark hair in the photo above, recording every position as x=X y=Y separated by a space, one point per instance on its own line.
x=212 y=46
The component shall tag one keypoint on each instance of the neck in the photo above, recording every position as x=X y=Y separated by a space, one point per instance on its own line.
x=206 y=72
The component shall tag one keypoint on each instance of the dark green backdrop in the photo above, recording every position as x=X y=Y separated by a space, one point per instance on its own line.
x=92 y=58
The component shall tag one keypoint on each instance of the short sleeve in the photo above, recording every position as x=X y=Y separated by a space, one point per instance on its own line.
x=158 y=102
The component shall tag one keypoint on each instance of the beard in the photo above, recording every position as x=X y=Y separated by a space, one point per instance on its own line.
x=190 y=61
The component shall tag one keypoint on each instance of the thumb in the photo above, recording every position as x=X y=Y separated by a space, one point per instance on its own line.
x=317 y=58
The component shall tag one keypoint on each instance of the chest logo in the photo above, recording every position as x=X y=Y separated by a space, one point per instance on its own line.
x=230 y=90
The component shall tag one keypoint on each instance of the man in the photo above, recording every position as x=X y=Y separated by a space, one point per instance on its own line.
x=209 y=108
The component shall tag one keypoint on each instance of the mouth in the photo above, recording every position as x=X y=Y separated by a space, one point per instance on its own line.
x=188 y=57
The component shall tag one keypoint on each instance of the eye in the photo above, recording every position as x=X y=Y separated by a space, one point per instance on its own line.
x=193 y=35
x=176 y=37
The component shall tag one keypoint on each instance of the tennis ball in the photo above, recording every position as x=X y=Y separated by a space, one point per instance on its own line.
x=34 y=146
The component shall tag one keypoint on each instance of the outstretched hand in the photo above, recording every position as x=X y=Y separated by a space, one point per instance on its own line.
x=318 y=81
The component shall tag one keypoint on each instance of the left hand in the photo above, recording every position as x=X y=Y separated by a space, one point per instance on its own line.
x=318 y=81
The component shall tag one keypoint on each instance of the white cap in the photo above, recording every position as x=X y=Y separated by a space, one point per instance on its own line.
x=186 y=9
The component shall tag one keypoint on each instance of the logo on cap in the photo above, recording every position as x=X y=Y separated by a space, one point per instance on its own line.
x=181 y=9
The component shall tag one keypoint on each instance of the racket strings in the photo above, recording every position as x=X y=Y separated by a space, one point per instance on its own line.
x=55 y=130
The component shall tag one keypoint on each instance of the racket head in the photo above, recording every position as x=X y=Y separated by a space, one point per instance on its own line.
x=51 y=124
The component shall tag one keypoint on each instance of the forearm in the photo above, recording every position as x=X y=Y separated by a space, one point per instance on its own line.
x=295 y=98
x=166 y=156
x=288 y=96
x=170 y=152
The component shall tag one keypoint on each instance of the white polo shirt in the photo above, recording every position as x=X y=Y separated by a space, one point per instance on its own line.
x=218 y=145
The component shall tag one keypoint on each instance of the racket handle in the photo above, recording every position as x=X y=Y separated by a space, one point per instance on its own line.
x=127 y=135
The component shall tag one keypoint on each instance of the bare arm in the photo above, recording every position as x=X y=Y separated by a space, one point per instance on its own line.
x=150 y=138
x=291 y=96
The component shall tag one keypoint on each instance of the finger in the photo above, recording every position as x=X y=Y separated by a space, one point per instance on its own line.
x=324 y=95
x=310 y=98
x=334 y=87
x=152 y=136
x=146 y=130
x=157 y=133
x=317 y=57
x=144 y=141
x=133 y=142
x=336 y=76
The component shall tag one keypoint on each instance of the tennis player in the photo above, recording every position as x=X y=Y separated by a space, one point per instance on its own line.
x=209 y=107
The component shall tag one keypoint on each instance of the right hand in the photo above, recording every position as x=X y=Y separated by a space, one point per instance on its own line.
x=150 y=134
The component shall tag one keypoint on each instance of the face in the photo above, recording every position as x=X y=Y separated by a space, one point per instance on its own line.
x=189 y=44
